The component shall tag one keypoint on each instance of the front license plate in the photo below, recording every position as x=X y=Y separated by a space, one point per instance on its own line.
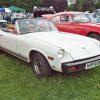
x=92 y=64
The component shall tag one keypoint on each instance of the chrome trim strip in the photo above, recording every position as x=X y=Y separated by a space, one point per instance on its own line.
x=14 y=54
x=84 y=61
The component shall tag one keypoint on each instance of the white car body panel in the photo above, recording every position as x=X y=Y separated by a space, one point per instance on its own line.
x=69 y=42
x=8 y=41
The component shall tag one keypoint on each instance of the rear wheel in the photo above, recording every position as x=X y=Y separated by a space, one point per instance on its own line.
x=95 y=36
x=40 y=65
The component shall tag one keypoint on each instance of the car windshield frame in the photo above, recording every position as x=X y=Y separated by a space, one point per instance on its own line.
x=81 y=18
x=26 y=26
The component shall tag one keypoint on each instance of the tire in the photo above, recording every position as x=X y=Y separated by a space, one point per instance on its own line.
x=94 y=36
x=40 y=65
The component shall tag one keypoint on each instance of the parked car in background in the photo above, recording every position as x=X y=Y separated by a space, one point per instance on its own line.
x=97 y=20
x=3 y=23
x=29 y=15
x=39 y=42
x=90 y=16
x=96 y=13
x=75 y=22
x=15 y=16
x=38 y=11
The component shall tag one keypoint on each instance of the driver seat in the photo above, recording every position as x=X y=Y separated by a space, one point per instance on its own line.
x=12 y=28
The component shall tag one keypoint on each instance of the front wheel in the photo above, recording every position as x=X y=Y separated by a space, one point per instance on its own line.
x=40 y=65
x=95 y=36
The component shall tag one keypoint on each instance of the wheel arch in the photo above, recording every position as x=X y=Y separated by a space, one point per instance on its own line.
x=91 y=32
x=32 y=52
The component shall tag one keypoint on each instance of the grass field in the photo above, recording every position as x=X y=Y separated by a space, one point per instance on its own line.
x=17 y=82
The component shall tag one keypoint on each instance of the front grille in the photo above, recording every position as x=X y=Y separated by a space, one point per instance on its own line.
x=82 y=61
x=78 y=64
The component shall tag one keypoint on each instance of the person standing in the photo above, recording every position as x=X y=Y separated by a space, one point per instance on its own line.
x=8 y=18
x=3 y=17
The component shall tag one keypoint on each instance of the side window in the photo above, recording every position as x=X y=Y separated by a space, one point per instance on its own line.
x=66 y=19
x=77 y=18
x=81 y=18
x=56 y=19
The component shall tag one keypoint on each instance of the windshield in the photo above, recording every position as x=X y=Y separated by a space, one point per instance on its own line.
x=98 y=20
x=81 y=18
x=90 y=16
x=35 y=25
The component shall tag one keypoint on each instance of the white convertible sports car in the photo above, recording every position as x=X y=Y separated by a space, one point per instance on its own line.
x=38 y=41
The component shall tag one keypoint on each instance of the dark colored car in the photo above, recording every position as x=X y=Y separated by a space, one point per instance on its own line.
x=38 y=11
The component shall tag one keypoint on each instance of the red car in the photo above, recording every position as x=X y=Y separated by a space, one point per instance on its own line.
x=75 y=22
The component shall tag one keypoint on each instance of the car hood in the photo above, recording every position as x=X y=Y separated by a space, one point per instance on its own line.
x=77 y=46
x=92 y=26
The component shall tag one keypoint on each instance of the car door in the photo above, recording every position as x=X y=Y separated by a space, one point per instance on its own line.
x=64 y=23
x=22 y=43
x=79 y=24
x=8 y=41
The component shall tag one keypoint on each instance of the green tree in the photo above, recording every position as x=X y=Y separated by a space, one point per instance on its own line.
x=26 y=4
x=97 y=5
x=77 y=6
x=88 y=5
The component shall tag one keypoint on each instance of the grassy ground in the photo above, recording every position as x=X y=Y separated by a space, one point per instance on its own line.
x=17 y=82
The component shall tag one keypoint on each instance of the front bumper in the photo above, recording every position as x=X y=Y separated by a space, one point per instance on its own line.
x=78 y=65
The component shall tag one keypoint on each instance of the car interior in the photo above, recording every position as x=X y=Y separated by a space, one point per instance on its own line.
x=10 y=28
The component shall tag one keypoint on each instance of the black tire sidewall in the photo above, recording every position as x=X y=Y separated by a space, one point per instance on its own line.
x=94 y=36
x=45 y=67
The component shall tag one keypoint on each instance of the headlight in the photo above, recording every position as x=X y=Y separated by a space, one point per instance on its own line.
x=60 y=53
x=98 y=44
